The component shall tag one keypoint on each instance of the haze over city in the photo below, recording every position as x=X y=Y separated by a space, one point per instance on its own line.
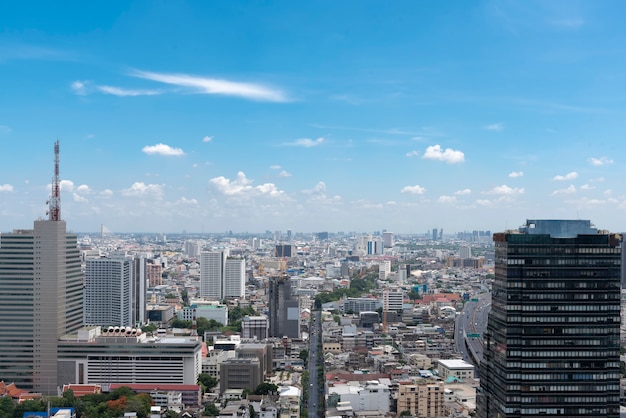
x=321 y=116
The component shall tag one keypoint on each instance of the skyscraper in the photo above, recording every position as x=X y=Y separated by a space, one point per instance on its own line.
x=234 y=278
x=109 y=291
x=284 y=308
x=41 y=297
x=211 y=274
x=552 y=340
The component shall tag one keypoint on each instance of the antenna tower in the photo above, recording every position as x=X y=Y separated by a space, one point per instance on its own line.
x=54 y=204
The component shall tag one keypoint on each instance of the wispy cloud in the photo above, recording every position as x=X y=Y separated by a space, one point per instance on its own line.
x=568 y=190
x=600 y=161
x=505 y=190
x=163 y=149
x=515 y=174
x=568 y=176
x=207 y=139
x=21 y=51
x=463 y=192
x=118 y=91
x=204 y=85
x=6 y=188
x=450 y=156
x=417 y=189
x=284 y=173
x=495 y=127
x=79 y=87
x=587 y=187
x=305 y=142
x=446 y=199
x=412 y=153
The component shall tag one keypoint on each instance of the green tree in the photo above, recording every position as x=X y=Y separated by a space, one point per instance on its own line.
x=180 y=323
x=211 y=410
x=406 y=413
x=265 y=389
x=304 y=355
x=206 y=380
x=6 y=406
x=253 y=413
x=149 y=328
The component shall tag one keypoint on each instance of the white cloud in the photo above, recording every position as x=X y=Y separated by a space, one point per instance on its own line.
x=139 y=188
x=118 y=91
x=463 y=192
x=79 y=87
x=515 y=174
x=608 y=192
x=79 y=198
x=586 y=187
x=207 y=139
x=320 y=188
x=66 y=185
x=106 y=193
x=412 y=153
x=568 y=190
x=284 y=174
x=305 y=142
x=184 y=201
x=275 y=167
x=600 y=161
x=6 y=188
x=204 y=85
x=446 y=199
x=242 y=186
x=417 y=189
x=162 y=149
x=84 y=189
x=568 y=176
x=450 y=156
x=495 y=127
x=505 y=190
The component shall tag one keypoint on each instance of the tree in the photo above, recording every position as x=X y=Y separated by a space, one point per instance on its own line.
x=253 y=413
x=206 y=380
x=210 y=410
x=406 y=413
x=6 y=406
x=304 y=355
x=265 y=389
x=180 y=323
x=149 y=328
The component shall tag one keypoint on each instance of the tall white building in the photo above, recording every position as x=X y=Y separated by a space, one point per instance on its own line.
x=465 y=252
x=108 y=293
x=211 y=274
x=388 y=239
x=221 y=276
x=234 y=278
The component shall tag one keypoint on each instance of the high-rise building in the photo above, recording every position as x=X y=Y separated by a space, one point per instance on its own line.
x=552 y=342
x=234 y=278
x=108 y=292
x=284 y=308
x=212 y=274
x=388 y=239
x=41 y=297
x=255 y=327
x=154 y=274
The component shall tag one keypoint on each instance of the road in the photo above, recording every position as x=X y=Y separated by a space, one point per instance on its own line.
x=315 y=387
x=472 y=320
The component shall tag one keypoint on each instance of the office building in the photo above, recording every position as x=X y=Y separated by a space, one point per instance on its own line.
x=154 y=274
x=552 y=341
x=96 y=355
x=255 y=327
x=234 y=278
x=108 y=291
x=41 y=297
x=284 y=308
x=388 y=239
x=212 y=274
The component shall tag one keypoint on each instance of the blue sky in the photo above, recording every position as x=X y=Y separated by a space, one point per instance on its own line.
x=313 y=116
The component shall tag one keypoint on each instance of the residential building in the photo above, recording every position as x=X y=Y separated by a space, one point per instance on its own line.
x=212 y=274
x=108 y=292
x=552 y=341
x=234 y=278
x=458 y=369
x=421 y=400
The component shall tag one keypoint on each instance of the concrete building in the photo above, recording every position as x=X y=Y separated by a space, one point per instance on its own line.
x=457 y=368
x=95 y=355
x=284 y=308
x=41 y=297
x=234 y=278
x=552 y=341
x=108 y=292
x=358 y=305
x=423 y=400
x=255 y=327
x=212 y=274
x=365 y=396
x=240 y=373
x=204 y=309
x=154 y=274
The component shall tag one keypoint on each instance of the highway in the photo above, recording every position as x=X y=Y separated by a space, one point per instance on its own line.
x=472 y=320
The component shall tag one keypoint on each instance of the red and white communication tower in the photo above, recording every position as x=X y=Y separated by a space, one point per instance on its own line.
x=54 y=203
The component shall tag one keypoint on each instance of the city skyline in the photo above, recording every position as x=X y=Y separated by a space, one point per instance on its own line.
x=352 y=116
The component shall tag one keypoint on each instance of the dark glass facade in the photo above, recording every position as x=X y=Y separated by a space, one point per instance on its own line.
x=552 y=341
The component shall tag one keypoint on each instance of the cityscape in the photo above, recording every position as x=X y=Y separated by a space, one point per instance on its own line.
x=312 y=210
